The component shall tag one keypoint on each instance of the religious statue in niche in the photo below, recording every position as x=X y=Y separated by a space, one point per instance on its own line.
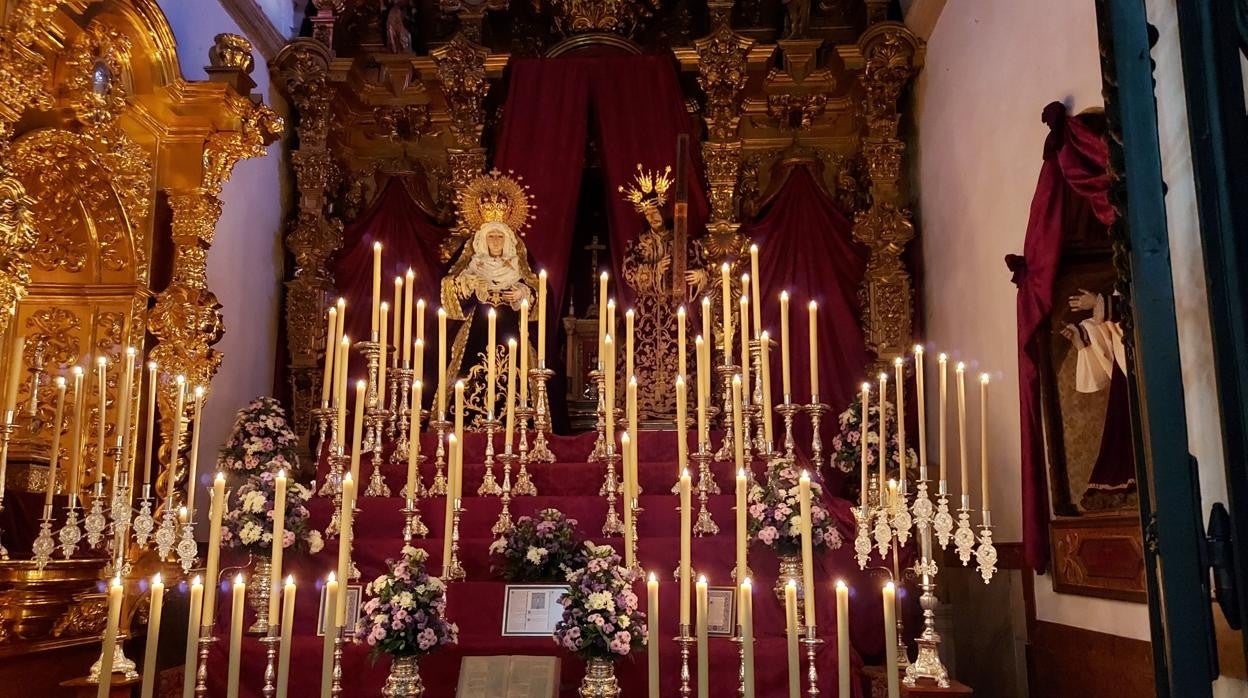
x=796 y=18
x=1100 y=367
x=398 y=36
x=648 y=272
x=491 y=273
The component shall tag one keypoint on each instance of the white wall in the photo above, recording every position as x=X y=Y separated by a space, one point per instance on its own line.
x=245 y=261
x=991 y=67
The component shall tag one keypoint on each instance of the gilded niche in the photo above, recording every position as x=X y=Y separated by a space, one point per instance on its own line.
x=92 y=75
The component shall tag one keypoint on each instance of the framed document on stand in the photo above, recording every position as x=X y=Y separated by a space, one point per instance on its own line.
x=353 y=608
x=532 y=610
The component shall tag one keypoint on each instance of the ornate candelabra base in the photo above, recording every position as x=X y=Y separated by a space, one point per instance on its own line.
x=685 y=642
x=811 y=642
x=541 y=452
x=726 y=452
x=438 y=487
x=201 y=663
x=504 y=523
x=927 y=664
x=612 y=526
x=121 y=665
x=377 y=486
x=816 y=410
x=788 y=411
x=704 y=525
x=271 y=644
x=489 y=484
x=523 y=486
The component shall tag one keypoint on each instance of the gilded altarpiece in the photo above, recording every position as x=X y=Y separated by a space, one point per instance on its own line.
x=416 y=91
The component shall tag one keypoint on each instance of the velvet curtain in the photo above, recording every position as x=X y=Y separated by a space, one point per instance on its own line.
x=1073 y=175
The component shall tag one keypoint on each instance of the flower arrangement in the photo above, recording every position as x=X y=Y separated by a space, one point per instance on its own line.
x=248 y=522
x=775 y=513
x=846 y=453
x=404 y=615
x=542 y=548
x=600 y=615
x=261 y=439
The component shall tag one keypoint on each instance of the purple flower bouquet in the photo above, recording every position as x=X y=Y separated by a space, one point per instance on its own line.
x=601 y=619
x=847 y=446
x=775 y=513
x=542 y=548
x=405 y=611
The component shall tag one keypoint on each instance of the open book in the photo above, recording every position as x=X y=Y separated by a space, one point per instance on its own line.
x=517 y=676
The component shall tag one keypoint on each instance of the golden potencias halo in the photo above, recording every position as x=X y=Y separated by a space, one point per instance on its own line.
x=649 y=187
x=495 y=197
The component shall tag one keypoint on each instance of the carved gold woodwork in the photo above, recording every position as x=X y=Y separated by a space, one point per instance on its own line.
x=722 y=72
x=17 y=238
x=618 y=16
x=892 y=54
x=460 y=67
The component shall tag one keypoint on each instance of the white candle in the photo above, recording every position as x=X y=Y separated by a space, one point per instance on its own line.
x=626 y=450
x=842 y=639
x=175 y=444
x=744 y=311
x=704 y=678
x=101 y=417
x=922 y=407
x=942 y=361
x=686 y=545
x=746 y=326
x=420 y=319
x=54 y=456
x=441 y=377
x=110 y=639
x=192 y=476
x=785 y=376
x=413 y=441
x=755 y=298
x=652 y=638
x=629 y=328
x=960 y=372
x=699 y=347
x=682 y=351
x=331 y=631
x=75 y=432
x=890 y=639
x=813 y=312
x=288 y=627
x=396 y=333
x=726 y=312
x=541 y=319
x=682 y=428
x=764 y=349
x=382 y=347
x=883 y=434
x=706 y=327
x=216 y=509
x=742 y=534
x=491 y=365
x=862 y=445
x=193 y=627
x=346 y=519
x=523 y=359
x=448 y=509
x=808 y=556
x=900 y=388
x=376 y=317
x=609 y=347
x=149 y=439
x=408 y=281
x=747 y=633
x=509 y=407
x=983 y=444
x=236 y=636
x=791 y=639
x=275 y=555
x=602 y=320
x=15 y=377
x=357 y=431
x=155 y=606
x=327 y=376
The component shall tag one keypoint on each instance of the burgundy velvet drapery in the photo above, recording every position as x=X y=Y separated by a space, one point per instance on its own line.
x=409 y=238
x=1073 y=174
x=637 y=110
x=806 y=246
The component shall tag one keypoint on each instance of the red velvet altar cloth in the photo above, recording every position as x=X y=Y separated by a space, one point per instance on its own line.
x=1073 y=175
x=476 y=605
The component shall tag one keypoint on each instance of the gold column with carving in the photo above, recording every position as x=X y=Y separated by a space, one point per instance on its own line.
x=460 y=66
x=723 y=65
x=892 y=54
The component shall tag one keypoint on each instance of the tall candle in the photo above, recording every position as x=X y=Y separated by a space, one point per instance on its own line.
x=110 y=639
x=630 y=407
x=983 y=444
x=611 y=323
x=441 y=377
x=626 y=450
x=739 y=441
x=101 y=417
x=275 y=555
x=755 y=298
x=900 y=388
x=921 y=403
x=192 y=477
x=699 y=348
x=75 y=434
x=726 y=312
x=609 y=347
x=420 y=319
x=791 y=638
x=236 y=636
x=764 y=353
x=54 y=456
x=682 y=350
x=459 y=436
x=357 y=430
x=883 y=433
x=288 y=630
x=154 y=608
x=541 y=318
x=340 y=327
x=747 y=633
x=344 y=357
x=890 y=639
x=14 y=378
x=327 y=375
x=942 y=362
x=376 y=307
x=331 y=631
x=704 y=678
x=413 y=441
x=742 y=532
x=706 y=325
x=448 y=509
x=149 y=438
x=192 y=636
x=812 y=309
x=744 y=315
x=512 y=379
x=843 y=672
x=382 y=350
x=491 y=366
x=652 y=638
x=123 y=417
x=408 y=281
x=602 y=320
x=523 y=359
x=744 y=311
x=682 y=426
x=686 y=545
x=396 y=332
x=629 y=367
x=418 y=368
x=862 y=444
x=346 y=522
x=960 y=372
x=216 y=510
x=808 y=547
x=786 y=377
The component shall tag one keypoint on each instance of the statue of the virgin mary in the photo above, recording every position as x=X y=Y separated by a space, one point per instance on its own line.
x=491 y=272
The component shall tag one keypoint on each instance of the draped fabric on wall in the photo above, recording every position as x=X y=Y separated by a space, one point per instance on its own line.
x=409 y=238
x=806 y=246
x=637 y=110
x=1073 y=175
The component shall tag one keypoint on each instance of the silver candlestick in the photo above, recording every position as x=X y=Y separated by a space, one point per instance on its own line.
x=201 y=664
x=271 y=644
x=942 y=521
x=816 y=410
x=377 y=486
x=812 y=642
x=44 y=546
x=504 y=523
x=964 y=537
x=788 y=411
x=927 y=664
x=611 y=526
x=726 y=452
x=685 y=641
x=705 y=525
x=598 y=378
x=144 y=524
